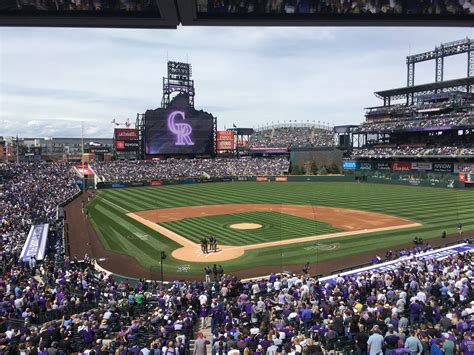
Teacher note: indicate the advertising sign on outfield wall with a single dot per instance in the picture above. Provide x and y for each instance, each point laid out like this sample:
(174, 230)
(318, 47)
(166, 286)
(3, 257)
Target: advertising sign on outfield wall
(281, 178)
(443, 167)
(261, 179)
(401, 166)
(463, 168)
(365, 166)
(156, 182)
(350, 165)
(383, 165)
(421, 166)
(466, 178)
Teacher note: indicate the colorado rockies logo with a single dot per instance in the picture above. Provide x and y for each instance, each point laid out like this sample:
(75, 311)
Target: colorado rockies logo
(322, 247)
(181, 130)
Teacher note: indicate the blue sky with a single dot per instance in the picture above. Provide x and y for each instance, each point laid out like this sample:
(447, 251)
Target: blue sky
(52, 79)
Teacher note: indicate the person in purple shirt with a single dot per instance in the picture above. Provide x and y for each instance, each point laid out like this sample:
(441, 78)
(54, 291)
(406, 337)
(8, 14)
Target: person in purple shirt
(467, 345)
(415, 312)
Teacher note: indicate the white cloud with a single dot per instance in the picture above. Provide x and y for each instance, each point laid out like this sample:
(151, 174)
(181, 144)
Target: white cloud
(52, 79)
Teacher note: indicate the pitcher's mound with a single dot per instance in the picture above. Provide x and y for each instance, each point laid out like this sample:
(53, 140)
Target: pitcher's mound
(246, 226)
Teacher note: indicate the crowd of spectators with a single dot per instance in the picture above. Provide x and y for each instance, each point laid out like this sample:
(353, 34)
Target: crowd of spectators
(417, 305)
(106, 6)
(64, 306)
(287, 137)
(402, 123)
(385, 151)
(174, 168)
(337, 7)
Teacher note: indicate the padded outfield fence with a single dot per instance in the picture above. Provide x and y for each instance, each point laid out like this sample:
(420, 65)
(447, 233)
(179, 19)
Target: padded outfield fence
(408, 179)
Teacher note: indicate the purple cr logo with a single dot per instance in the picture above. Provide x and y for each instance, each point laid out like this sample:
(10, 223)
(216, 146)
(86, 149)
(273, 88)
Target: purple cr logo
(181, 130)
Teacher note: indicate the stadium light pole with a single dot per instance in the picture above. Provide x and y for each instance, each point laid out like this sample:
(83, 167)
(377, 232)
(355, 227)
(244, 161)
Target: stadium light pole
(162, 257)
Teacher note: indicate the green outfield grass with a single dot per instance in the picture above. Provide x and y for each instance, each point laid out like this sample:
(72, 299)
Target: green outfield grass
(275, 226)
(435, 208)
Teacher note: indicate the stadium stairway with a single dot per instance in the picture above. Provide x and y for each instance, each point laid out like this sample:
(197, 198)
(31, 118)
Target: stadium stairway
(206, 331)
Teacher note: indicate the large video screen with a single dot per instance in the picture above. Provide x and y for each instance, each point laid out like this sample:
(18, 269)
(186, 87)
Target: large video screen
(179, 130)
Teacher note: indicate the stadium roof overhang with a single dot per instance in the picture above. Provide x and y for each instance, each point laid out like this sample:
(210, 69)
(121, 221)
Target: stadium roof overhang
(423, 89)
(158, 14)
(171, 13)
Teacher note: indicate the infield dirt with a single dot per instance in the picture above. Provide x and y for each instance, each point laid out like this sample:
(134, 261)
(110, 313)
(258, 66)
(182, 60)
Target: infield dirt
(351, 221)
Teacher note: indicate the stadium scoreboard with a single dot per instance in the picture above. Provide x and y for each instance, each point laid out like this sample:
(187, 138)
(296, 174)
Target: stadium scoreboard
(179, 129)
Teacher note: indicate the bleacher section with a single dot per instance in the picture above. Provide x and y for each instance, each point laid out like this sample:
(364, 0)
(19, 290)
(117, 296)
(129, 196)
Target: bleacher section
(292, 136)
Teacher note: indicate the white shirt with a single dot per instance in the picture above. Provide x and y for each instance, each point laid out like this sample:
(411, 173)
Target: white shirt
(203, 299)
(375, 342)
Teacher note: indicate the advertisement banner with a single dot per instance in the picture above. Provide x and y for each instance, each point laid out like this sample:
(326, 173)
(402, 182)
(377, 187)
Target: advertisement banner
(126, 134)
(225, 145)
(365, 166)
(100, 150)
(443, 167)
(464, 168)
(281, 178)
(156, 182)
(119, 184)
(35, 244)
(225, 136)
(421, 166)
(282, 150)
(242, 178)
(350, 165)
(127, 146)
(401, 166)
(466, 178)
(382, 166)
(261, 179)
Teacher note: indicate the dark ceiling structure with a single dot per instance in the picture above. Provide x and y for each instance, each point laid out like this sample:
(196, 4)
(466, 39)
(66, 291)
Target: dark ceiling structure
(171, 13)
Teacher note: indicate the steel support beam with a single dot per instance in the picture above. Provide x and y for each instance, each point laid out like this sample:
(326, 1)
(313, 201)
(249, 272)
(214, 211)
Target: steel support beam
(439, 67)
(470, 64)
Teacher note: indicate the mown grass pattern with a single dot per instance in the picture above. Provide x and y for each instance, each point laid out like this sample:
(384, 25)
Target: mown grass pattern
(275, 226)
(437, 209)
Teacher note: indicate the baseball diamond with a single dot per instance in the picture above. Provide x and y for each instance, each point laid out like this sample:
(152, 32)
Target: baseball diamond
(232, 220)
(293, 216)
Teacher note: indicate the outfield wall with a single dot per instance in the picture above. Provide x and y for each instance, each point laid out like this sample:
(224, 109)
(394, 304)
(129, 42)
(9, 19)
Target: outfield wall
(407, 179)
(283, 178)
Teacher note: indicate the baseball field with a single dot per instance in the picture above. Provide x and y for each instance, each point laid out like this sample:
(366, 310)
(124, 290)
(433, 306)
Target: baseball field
(260, 224)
